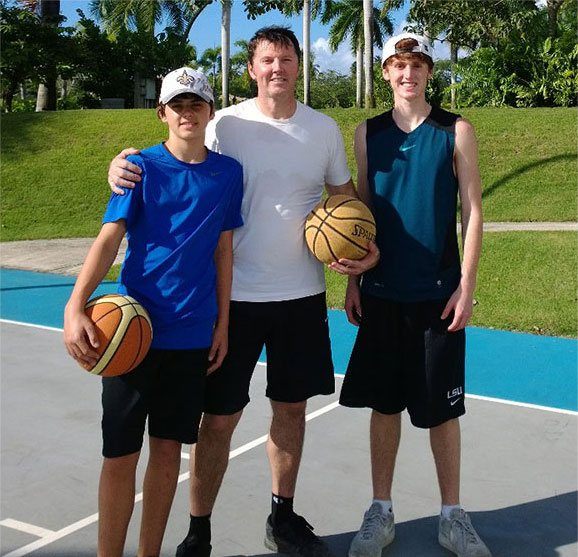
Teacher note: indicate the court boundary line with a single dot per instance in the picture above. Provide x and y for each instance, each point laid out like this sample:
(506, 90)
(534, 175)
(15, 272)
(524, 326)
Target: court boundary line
(26, 527)
(56, 535)
(510, 402)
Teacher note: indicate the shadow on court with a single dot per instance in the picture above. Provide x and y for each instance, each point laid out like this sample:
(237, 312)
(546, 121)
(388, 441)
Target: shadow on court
(535, 529)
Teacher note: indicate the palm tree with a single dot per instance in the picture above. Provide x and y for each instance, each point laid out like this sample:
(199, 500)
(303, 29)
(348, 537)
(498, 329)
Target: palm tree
(143, 15)
(225, 50)
(210, 61)
(348, 22)
(368, 52)
(49, 11)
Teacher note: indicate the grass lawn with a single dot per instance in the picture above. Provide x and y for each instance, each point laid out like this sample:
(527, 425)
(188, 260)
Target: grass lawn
(54, 165)
(527, 281)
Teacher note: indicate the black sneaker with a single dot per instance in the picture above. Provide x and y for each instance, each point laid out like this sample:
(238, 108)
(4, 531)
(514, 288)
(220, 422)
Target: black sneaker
(192, 547)
(294, 537)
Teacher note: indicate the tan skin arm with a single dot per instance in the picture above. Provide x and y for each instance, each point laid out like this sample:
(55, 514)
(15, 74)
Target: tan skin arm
(79, 333)
(224, 266)
(470, 192)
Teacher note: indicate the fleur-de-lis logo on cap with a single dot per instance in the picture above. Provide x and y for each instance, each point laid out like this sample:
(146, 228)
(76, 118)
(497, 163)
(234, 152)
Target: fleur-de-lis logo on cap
(185, 78)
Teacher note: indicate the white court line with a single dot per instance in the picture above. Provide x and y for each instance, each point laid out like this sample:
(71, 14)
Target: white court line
(26, 528)
(479, 397)
(524, 404)
(55, 536)
(10, 322)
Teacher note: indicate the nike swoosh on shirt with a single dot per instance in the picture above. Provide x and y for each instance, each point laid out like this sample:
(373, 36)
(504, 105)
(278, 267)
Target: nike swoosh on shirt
(406, 148)
(452, 402)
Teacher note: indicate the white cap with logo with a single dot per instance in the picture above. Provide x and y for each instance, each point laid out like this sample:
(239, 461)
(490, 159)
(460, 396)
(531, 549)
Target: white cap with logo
(423, 46)
(185, 80)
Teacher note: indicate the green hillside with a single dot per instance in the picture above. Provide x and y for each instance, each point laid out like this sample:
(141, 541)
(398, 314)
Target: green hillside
(54, 164)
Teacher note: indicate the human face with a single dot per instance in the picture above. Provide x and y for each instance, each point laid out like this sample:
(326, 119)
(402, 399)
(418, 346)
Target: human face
(187, 118)
(407, 77)
(275, 68)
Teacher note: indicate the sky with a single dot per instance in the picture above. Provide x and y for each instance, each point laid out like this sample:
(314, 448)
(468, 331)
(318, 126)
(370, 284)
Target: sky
(206, 32)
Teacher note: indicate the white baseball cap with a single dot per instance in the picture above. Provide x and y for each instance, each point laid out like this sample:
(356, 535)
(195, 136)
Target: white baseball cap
(185, 80)
(423, 46)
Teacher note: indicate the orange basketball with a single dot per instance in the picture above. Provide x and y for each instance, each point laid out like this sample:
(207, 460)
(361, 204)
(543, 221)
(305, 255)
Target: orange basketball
(124, 333)
(339, 227)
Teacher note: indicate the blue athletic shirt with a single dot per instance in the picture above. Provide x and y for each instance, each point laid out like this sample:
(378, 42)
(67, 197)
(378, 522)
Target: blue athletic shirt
(174, 218)
(414, 193)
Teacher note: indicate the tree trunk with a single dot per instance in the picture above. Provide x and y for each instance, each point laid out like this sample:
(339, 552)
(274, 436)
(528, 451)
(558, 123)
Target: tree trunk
(306, 51)
(8, 96)
(49, 11)
(359, 76)
(553, 7)
(225, 50)
(196, 13)
(368, 52)
(454, 61)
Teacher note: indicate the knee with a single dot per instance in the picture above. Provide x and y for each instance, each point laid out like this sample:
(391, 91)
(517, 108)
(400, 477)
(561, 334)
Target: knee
(219, 426)
(120, 466)
(289, 412)
(165, 450)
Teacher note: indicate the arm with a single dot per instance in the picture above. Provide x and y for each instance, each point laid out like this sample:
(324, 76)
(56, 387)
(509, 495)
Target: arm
(79, 333)
(351, 267)
(224, 265)
(470, 191)
(123, 173)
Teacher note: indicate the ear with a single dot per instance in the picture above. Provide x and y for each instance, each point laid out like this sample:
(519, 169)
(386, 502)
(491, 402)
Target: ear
(385, 72)
(250, 70)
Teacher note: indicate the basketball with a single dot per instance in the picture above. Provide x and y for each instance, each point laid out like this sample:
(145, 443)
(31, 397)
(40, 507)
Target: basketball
(124, 333)
(340, 227)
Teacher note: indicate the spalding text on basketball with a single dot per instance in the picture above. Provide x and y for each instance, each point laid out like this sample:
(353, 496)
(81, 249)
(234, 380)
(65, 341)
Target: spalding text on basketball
(363, 233)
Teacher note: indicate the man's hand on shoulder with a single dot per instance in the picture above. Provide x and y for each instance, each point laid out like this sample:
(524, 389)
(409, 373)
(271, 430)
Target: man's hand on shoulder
(123, 173)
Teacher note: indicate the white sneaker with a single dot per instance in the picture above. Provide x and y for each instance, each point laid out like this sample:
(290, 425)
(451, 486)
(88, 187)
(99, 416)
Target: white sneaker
(457, 534)
(376, 532)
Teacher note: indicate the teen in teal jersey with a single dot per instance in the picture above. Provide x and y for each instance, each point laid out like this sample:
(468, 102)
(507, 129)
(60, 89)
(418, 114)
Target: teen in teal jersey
(179, 227)
(412, 308)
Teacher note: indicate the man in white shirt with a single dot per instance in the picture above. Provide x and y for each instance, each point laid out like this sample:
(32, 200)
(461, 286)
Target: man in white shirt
(289, 153)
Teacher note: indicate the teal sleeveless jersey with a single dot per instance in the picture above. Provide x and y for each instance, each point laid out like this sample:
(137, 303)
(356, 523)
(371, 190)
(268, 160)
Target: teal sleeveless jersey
(414, 193)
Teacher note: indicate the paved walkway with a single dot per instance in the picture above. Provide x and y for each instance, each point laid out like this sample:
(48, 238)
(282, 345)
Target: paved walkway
(65, 256)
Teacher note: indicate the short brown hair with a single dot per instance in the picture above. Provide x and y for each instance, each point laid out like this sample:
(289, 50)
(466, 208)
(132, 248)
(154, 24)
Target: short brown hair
(276, 35)
(403, 51)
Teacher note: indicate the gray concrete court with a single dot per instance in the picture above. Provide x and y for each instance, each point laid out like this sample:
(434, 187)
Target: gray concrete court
(519, 470)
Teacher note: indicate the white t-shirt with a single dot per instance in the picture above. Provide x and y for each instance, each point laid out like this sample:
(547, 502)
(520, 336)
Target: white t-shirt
(286, 164)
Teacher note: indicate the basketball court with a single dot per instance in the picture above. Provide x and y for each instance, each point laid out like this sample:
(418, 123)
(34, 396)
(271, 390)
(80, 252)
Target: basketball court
(519, 448)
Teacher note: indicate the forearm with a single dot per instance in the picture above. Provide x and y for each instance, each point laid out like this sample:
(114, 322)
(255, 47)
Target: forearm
(97, 263)
(224, 268)
(472, 231)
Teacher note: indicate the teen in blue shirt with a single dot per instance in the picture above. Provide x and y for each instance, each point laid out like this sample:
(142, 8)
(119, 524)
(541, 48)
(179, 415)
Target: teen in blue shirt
(179, 267)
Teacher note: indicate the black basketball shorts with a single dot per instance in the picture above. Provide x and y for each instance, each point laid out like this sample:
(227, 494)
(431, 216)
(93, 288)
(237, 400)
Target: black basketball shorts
(404, 357)
(167, 388)
(296, 336)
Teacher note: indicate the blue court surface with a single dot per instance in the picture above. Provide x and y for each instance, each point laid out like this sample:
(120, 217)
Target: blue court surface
(519, 448)
(512, 366)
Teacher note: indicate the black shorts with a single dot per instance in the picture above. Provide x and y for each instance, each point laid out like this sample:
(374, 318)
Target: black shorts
(167, 387)
(404, 357)
(296, 336)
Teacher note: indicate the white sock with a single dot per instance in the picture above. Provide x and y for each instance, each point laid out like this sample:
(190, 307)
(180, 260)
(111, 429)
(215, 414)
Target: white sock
(447, 509)
(386, 506)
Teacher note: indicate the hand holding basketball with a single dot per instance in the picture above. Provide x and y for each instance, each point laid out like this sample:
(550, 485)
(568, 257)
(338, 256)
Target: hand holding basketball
(357, 266)
(340, 228)
(80, 338)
